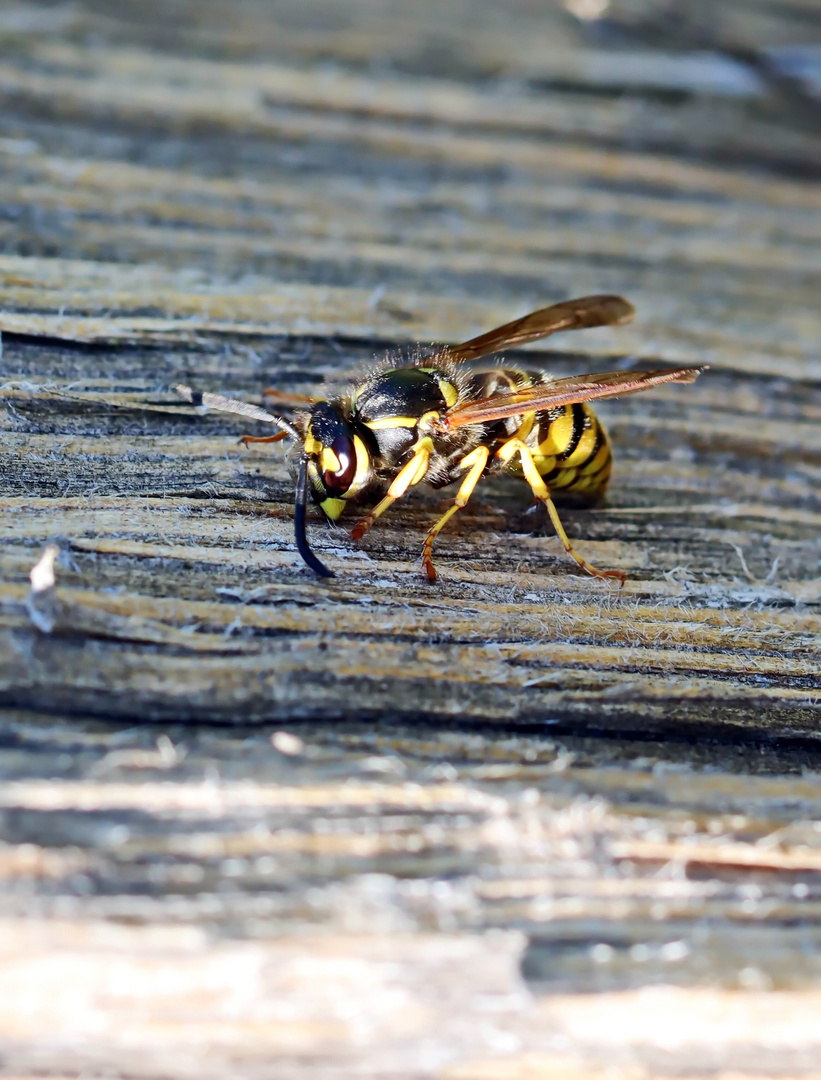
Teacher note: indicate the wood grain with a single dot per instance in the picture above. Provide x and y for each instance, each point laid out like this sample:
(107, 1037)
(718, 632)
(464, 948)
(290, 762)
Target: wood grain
(520, 824)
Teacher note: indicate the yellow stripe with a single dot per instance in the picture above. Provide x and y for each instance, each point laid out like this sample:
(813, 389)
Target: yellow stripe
(333, 508)
(516, 378)
(526, 426)
(559, 434)
(329, 461)
(583, 449)
(449, 392)
(599, 460)
(545, 464)
(393, 421)
(363, 468)
(588, 480)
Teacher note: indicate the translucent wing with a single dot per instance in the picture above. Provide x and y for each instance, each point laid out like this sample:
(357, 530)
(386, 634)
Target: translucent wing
(565, 392)
(280, 397)
(569, 315)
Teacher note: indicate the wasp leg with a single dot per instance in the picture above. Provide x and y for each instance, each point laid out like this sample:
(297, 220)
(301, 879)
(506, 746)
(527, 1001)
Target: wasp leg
(515, 446)
(476, 462)
(264, 438)
(409, 475)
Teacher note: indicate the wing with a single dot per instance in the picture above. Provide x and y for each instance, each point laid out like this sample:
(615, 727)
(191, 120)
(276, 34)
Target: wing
(287, 401)
(565, 392)
(569, 315)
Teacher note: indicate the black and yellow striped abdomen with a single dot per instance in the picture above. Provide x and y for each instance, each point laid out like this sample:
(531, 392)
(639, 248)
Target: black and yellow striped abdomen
(570, 445)
(571, 449)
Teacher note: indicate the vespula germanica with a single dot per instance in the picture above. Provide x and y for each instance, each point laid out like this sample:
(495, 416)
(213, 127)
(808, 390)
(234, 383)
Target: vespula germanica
(440, 421)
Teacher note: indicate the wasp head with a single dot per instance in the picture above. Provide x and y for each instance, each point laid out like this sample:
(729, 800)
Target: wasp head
(334, 465)
(337, 459)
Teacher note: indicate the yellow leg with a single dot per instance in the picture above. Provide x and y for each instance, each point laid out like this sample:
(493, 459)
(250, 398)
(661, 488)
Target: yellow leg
(264, 438)
(540, 490)
(476, 462)
(410, 474)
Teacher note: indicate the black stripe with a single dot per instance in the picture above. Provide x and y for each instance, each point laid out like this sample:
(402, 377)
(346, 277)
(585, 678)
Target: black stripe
(597, 445)
(545, 421)
(607, 462)
(300, 533)
(579, 424)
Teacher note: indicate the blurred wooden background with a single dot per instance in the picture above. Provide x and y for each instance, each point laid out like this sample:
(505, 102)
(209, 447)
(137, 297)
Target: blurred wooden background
(521, 824)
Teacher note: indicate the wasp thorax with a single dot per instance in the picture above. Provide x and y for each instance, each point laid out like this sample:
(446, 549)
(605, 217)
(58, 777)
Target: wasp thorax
(339, 465)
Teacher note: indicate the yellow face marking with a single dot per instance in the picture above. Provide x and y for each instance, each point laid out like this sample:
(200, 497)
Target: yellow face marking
(329, 461)
(312, 446)
(388, 422)
(363, 467)
(333, 508)
(449, 392)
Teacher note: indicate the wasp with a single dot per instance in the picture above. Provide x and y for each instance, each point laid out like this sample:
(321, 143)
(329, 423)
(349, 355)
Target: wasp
(440, 421)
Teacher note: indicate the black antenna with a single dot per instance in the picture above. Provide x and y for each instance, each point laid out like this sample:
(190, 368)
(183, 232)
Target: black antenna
(253, 412)
(300, 504)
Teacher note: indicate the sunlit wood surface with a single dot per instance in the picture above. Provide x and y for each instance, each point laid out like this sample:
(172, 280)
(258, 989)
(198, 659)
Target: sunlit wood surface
(517, 825)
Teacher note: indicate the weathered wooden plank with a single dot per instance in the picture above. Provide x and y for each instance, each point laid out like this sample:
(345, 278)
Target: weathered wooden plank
(454, 831)
(248, 96)
(249, 1022)
(453, 820)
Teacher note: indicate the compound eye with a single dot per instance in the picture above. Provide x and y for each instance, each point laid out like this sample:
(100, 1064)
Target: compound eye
(340, 479)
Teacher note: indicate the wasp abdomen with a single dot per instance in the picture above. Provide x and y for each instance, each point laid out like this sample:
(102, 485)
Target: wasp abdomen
(570, 445)
(571, 449)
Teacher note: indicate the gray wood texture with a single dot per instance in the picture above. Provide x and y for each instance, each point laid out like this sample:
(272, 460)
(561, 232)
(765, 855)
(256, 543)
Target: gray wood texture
(521, 823)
